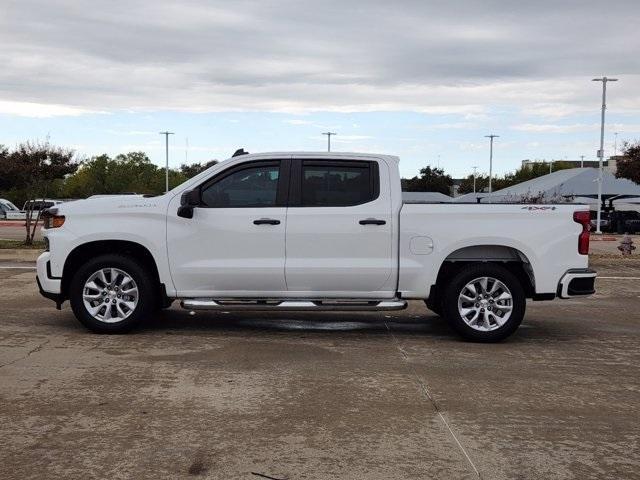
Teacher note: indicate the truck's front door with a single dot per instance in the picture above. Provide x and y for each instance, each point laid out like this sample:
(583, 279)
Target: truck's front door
(339, 229)
(234, 244)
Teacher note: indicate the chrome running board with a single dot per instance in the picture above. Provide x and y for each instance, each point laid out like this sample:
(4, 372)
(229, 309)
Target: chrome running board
(293, 305)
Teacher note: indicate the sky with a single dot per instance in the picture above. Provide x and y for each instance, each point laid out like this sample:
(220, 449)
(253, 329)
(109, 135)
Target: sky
(425, 80)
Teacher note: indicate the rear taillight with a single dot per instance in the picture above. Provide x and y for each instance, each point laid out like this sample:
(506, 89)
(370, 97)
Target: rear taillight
(584, 219)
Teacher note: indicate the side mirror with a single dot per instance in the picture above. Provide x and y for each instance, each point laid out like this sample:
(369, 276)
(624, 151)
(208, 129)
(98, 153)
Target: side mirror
(188, 200)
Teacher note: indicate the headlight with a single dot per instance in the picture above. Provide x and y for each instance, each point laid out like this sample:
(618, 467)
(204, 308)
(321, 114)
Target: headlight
(53, 221)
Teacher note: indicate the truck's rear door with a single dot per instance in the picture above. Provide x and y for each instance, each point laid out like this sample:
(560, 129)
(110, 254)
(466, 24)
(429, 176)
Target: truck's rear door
(339, 229)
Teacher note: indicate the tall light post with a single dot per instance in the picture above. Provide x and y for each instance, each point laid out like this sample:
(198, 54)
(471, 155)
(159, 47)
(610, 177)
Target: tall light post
(615, 144)
(328, 134)
(166, 171)
(581, 161)
(604, 81)
(475, 170)
(491, 137)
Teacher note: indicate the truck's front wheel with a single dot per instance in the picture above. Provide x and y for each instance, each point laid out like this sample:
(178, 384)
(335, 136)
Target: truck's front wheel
(111, 294)
(484, 303)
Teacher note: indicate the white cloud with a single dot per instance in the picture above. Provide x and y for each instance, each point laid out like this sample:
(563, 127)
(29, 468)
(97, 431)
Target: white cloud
(448, 58)
(41, 110)
(546, 128)
(574, 128)
(130, 132)
(350, 138)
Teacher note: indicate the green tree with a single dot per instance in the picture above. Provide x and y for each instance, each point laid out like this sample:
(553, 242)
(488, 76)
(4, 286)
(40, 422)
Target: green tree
(131, 172)
(430, 180)
(34, 170)
(629, 167)
(466, 185)
(194, 169)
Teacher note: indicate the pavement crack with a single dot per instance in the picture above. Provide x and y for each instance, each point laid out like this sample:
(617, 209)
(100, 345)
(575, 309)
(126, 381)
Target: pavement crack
(27, 355)
(431, 399)
(262, 475)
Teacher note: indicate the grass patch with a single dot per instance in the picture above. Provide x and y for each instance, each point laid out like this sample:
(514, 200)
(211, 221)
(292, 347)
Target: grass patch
(37, 244)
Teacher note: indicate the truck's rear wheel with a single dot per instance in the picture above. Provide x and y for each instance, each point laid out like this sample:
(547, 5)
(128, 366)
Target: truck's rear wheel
(484, 303)
(111, 294)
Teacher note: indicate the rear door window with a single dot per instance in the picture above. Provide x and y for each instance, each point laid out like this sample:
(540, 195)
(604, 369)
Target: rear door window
(338, 184)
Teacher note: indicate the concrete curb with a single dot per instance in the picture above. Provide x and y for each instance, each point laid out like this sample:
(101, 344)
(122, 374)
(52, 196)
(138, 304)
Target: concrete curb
(19, 254)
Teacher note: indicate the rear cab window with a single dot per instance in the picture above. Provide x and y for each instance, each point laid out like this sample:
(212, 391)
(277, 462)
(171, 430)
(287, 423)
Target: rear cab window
(333, 183)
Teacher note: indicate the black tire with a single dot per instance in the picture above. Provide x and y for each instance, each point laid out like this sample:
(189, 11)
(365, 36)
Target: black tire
(454, 288)
(147, 293)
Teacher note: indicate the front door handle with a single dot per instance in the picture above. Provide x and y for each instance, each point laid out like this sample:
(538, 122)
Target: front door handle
(266, 221)
(372, 221)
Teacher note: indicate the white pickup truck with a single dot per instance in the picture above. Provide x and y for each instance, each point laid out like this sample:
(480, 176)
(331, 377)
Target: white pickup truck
(310, 231)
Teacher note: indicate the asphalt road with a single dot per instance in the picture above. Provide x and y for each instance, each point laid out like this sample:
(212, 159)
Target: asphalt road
(322, 396)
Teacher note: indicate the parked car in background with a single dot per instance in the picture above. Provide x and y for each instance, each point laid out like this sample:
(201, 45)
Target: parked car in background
(312, 232)
(8, 211)
(627, 222)
(41, 204)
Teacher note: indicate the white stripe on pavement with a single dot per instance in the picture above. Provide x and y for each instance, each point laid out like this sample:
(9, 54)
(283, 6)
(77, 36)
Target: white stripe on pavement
(619, 278)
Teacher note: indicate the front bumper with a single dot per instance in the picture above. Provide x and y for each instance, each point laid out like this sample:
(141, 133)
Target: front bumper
(578, 282)
(50, 287)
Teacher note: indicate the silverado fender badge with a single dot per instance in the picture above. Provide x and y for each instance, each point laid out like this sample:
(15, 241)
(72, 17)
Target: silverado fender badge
(138, 205)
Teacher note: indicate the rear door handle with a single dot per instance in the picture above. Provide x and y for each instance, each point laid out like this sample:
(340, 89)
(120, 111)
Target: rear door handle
(266, 221)
(372, 221)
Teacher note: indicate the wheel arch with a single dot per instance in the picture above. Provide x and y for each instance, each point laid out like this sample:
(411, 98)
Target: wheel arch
(85, 251)
(509, 257)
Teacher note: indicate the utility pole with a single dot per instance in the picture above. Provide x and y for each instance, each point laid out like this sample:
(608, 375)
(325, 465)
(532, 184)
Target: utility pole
(491, 137)
(581, 161)
(166, 171)
(328, 134)
(604, 81)
(615, 144)
(550, 166)
(475, 169)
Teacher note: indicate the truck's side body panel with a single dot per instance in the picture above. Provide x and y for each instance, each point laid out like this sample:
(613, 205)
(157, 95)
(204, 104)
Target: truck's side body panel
(545, 235)
(132, 219)
(330, 254)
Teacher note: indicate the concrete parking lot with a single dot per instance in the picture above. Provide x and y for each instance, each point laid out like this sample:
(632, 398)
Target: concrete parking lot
(322, 396)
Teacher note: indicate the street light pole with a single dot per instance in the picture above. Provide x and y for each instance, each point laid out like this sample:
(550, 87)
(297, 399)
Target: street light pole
(166, 171)
(604, 81)
(491, 137)
(581, 161)
(328, 134)
(475, 169)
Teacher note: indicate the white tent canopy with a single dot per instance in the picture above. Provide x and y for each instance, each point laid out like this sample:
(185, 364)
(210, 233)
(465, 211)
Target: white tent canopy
(470, 197)
(425, 197)
(573, 182)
